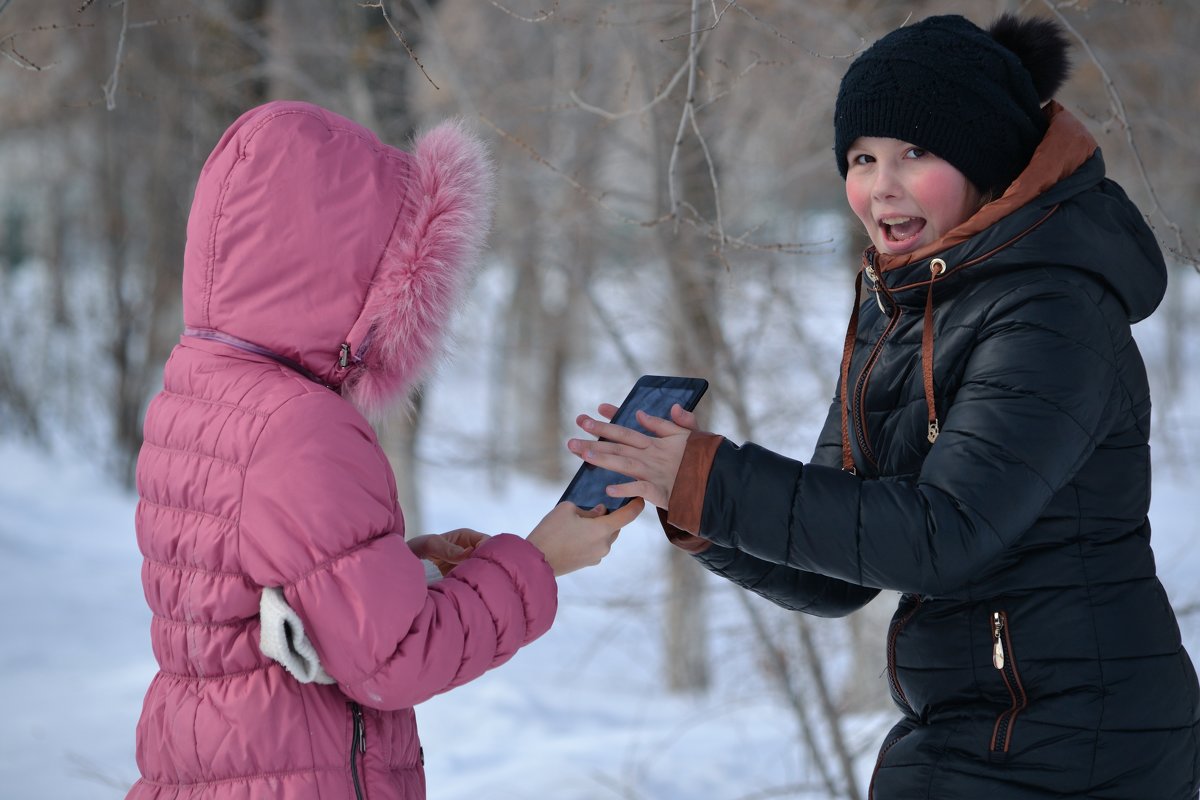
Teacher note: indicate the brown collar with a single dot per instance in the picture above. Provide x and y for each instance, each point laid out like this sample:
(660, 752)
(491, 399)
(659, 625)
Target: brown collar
(1064, 148)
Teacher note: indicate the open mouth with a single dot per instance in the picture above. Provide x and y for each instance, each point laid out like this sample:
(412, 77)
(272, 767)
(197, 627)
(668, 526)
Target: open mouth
(901, 229)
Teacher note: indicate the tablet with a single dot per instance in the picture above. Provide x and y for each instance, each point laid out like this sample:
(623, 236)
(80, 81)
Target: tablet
(654, 394)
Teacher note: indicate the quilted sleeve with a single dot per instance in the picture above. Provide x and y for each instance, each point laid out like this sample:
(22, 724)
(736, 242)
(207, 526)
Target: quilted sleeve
(319, 521)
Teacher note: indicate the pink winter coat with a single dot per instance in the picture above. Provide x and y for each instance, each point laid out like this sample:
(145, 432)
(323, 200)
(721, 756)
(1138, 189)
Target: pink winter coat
(321, 266)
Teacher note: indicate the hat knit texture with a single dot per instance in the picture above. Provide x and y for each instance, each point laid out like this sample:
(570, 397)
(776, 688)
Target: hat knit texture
(964, 94)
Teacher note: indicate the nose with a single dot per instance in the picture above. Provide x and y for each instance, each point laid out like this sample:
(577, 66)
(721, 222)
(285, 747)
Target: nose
(885, 183)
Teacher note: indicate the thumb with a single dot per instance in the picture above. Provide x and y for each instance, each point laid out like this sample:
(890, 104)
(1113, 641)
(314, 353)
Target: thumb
(683, 418)
(626, 514)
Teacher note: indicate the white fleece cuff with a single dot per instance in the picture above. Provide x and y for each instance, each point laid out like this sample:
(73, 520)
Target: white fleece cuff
(432, 573)
(283, 639)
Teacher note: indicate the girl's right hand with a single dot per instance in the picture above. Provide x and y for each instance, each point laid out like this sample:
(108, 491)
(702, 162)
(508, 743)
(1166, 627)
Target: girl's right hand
(571, 538)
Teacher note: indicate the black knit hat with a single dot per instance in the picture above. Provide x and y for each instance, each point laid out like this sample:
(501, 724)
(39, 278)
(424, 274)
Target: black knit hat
(969, 96)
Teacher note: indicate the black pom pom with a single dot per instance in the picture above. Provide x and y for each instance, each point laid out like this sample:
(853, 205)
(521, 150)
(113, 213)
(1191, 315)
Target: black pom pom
(1041, 44)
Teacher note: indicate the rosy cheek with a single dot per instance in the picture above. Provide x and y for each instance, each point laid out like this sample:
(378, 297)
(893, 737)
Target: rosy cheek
(859, 199)
(942, 194)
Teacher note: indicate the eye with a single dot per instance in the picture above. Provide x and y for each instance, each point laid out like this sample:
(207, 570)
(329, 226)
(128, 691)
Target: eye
(914, 152)
(860, 158)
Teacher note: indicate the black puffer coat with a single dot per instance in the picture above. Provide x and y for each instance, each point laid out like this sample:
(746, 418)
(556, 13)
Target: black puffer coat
(1034, 653)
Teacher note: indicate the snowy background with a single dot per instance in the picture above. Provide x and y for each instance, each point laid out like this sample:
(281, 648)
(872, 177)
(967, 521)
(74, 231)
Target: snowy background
(582, 713)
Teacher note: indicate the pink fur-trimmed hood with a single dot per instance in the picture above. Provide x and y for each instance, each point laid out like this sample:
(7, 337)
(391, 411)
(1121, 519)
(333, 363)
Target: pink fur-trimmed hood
(343, 257)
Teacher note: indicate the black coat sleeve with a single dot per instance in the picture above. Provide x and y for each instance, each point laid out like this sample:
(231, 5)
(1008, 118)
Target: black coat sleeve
(781, 583)
(1034, 398)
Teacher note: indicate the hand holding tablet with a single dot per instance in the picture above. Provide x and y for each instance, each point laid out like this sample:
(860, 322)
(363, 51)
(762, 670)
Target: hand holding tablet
(652, 394)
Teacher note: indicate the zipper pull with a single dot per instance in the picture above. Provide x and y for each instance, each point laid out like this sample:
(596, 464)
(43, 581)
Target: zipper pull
(344, 358)
(997, 641)
(876, 289)
(360, 728)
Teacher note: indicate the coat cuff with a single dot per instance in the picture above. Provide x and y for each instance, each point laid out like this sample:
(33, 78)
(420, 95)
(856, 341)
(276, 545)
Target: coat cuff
(282, 638)
(681, 522)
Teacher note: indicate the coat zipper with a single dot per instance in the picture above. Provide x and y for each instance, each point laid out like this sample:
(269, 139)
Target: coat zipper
(883, 751)
(860, 389)
(893, 677)
(358, 747)
(1004, 662)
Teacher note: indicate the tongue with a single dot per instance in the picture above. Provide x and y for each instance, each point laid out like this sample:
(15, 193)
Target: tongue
(906, 230)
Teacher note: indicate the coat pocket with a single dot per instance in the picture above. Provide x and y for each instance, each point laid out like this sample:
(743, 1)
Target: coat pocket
(1004, 661)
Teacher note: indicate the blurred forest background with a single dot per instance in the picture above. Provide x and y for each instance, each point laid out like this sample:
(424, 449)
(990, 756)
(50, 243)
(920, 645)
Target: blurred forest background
(683, 142)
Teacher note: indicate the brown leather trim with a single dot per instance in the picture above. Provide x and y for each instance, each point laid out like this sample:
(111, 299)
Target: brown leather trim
(686, 503)
(682, 539)
(1064, 148)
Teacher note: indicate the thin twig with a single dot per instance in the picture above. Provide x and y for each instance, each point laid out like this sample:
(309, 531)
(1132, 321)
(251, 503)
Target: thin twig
(110, 85)
(716, 188)
(8, 46)
(541, 17)
(382, 6)
(150, 23)
(716, 21)
(615, 115)
(12, 54)
(683, 117)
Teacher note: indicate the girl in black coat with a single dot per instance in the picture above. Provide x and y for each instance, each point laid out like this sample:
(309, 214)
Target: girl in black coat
(987, 451)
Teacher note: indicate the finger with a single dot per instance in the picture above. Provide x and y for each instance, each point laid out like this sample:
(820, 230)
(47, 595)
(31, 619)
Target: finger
(682, 417)
(649, 491)
(658, 426)
(614, 433)
(607, 410)
(449, 551)
(626, 513)
(465, 537)
(621, 459)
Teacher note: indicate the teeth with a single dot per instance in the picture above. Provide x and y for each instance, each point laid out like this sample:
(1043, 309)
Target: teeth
(896, 220)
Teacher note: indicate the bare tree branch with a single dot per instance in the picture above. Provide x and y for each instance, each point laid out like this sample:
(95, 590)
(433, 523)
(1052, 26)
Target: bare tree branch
(693, 42)
(616, 115)
(110, 85)
(716, 21)
(382, 6)
(542, 15)
(8, 46)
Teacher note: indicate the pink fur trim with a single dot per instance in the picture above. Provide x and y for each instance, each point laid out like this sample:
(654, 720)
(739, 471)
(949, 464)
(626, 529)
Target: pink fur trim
(426, 267)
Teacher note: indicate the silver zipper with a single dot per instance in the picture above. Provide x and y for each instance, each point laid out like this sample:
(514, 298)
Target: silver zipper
(997, 640)
(874, 279)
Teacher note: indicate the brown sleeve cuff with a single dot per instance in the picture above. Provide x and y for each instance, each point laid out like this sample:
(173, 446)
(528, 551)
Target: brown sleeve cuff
(682, 519)
(682, 539)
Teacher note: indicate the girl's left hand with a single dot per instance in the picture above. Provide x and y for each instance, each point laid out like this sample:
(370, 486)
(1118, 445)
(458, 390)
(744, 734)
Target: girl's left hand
(652, 461)
(446, 550)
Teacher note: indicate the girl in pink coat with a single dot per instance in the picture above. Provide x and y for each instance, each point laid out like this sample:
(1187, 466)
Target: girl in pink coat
(294, 626)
